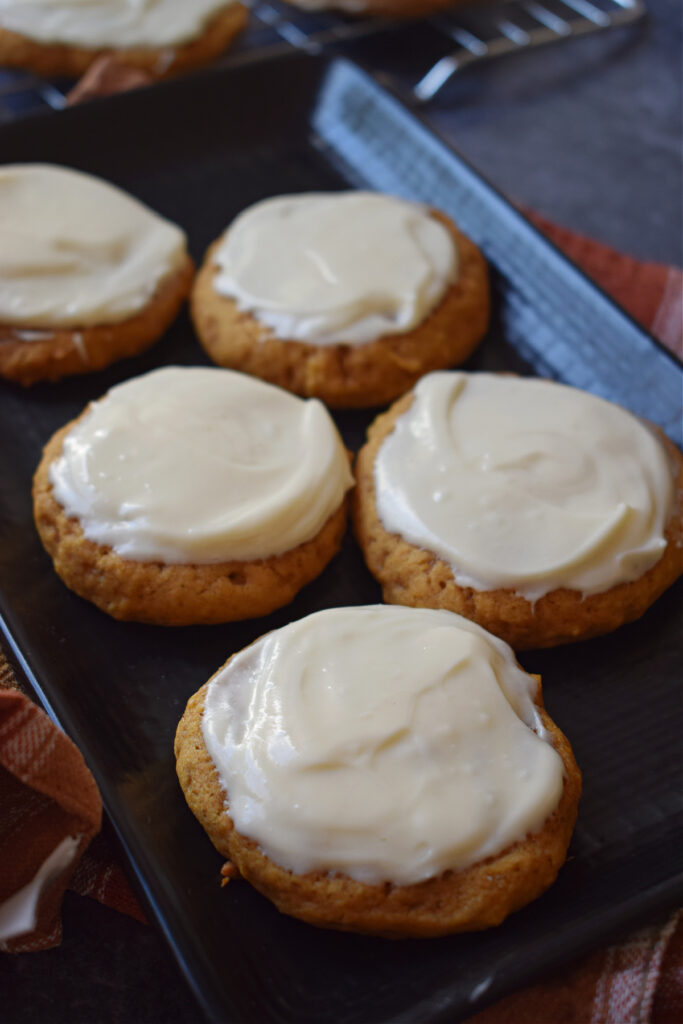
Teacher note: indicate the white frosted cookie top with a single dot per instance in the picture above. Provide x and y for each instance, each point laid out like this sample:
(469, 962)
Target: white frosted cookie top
(76, 251)
(332, 268)
(385, 743)
(113, 24)
(194, 465)
(525, 484)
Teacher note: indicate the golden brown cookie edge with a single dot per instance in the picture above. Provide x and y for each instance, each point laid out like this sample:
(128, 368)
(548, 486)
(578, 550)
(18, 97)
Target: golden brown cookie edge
(348, 376)
(476, 898)
(419, 578)
(72, 351)
(173, 594)
(56, 59)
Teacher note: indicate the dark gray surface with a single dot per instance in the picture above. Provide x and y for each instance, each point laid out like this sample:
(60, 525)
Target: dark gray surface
(109, 968)
(588, 134)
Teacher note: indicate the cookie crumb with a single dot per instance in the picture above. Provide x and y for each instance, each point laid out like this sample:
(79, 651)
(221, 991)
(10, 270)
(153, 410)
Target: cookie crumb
(228, 871)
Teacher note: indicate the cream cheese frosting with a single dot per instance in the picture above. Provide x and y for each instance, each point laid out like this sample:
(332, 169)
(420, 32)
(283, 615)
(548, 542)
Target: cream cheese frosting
(336, 268)
(76, 251)
(525, 484)
(194, 465)
(113, 24)
(381, 742)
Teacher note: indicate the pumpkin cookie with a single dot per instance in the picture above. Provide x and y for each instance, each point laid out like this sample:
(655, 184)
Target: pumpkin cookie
(192, 495)
(162, 37)
(541, 512)
(349, 297)
(403, 778)
(88, 275)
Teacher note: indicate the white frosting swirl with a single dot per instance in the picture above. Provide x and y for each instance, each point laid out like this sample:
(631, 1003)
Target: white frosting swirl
(194, 465)
(76, 251)
(525, 484)
(385, 743)
(112, 24)
(336, 268)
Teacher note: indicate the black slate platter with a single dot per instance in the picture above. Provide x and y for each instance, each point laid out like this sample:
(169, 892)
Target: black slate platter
(199, 151)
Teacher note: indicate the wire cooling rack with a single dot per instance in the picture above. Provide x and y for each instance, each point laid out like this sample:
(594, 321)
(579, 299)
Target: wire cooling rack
(459, 38)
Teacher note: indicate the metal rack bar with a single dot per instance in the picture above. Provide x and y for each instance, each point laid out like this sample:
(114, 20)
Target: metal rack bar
(482, 32)
(548, 27)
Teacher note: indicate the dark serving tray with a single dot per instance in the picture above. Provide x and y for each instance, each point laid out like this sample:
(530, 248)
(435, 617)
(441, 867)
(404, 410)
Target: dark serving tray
(198, 151)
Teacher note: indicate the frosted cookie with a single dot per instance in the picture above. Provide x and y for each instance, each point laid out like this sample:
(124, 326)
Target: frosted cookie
(193, 495)
(349, 297)
(539, 511)
(383, 770)
(164, 37)
(88, 274)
